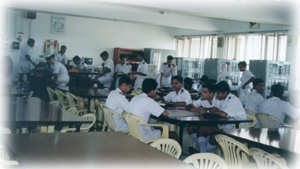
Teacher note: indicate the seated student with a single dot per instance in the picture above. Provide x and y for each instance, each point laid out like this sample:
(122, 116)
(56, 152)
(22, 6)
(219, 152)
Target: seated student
(77, 63)
(180, 96)
(207, 103)
(118, 102)
(143, 106)
(231, 105)
(188, 85)
(277, 107)
(255, 98)
(60, 74)
(202, 81)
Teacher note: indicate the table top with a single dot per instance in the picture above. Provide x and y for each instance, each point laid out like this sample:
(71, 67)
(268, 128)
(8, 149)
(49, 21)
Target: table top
(85, 149)
(287, 139)
(184, 117)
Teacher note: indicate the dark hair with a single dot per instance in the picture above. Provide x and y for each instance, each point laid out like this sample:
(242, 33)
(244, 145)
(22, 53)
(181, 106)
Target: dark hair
(149, 85)
(170, 57)
(105, 53)
(243, 64)
(76, 58)
(30, 40)
(141, 54)
(277, 90)
(63, 46)
(125, 79)
(210, 87)
(204, 78)
(178, 78)
(50, 57)
(189, 83)
(257, 81)
(222, 87)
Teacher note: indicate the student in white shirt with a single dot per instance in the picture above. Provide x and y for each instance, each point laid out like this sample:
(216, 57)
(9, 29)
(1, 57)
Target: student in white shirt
(230, 105)
(246, 80)
(25, 63)
(167, 71)
(207, 103)
(106, 78)
(60, 56)
(255, 98)
(277, 107)
(122, 68)
(118, 102)
(203, 80)
(143, 106)
(179, 97)
(77, 63)
(60, 73)
(141, 73)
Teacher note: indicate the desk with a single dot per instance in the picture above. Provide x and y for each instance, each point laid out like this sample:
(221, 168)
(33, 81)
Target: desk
(184, 118)
(86, 150)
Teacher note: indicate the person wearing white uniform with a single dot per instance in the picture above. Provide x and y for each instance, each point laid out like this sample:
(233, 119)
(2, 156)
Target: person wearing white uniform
(106, 78)
(25, 63)
(246, 79)
(141, 73)
(60, 72)
(206, 104)
(117, 101)
(255, 98)
(122, 68)
(277, 107)
(167, 71)
(180, 96)
(143, 106)
(60, 56)
(77, 63)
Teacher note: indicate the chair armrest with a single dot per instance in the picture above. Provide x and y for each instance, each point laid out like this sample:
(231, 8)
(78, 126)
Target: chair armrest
(68, 130)
(165, 132)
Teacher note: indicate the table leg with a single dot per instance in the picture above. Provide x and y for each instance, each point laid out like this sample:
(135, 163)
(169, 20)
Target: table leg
(181, 127)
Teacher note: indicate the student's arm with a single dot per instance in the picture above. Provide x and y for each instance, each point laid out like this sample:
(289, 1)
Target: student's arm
(160, 79)
(29, 59)
(249, 81)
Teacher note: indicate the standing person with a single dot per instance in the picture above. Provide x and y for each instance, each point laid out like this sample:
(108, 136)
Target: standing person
(143, 106)
(246, 80)
(60, 56)
(277, 107)
(106, 78)
(142, 71)
(118, 102)
(25, 63)
(122, 68)
(202, 81)
(255, 98)
(59, 72)
(180, 96)
(167, 71)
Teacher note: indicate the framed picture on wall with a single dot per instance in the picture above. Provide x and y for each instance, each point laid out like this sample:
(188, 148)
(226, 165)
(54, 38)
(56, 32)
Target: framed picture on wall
(57, 24)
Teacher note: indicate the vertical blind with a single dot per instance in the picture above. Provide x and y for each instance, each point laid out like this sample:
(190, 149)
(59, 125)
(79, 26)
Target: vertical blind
(269, 46)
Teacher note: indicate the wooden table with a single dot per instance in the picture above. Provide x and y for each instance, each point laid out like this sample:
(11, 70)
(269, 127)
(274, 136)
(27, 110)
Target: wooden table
(284, 141)
(86, 150)
(183, 118)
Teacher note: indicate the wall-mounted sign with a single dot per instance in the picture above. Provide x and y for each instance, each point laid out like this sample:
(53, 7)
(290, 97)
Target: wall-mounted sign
(57, 24)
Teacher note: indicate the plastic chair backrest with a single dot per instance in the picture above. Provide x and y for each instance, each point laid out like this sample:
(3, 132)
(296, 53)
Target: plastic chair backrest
(109, 116)
(62, 98)
(249, 112)
(168, 146)
(88, 117)
(268, 121)
(206, 161)
(51, 94)
(234, 152)
(266, 160)
(133, 125)
(278, 158)
(249, 125)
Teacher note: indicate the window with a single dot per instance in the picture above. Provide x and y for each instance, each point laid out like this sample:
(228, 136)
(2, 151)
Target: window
(197, 47)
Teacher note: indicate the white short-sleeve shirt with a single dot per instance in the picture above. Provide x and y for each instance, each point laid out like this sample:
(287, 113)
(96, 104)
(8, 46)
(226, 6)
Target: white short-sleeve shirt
(278, 108)
(168, 72)
(233, 107)
(182, 96)
(143, 106)
(25, 65)
(245, 77)
(205, 103)
(62, 75)
(253, 101)
(143, 68)
(117, 101)
(60, 58)
(123, 68)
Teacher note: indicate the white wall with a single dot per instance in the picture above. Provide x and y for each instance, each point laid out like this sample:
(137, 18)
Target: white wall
(87, 36)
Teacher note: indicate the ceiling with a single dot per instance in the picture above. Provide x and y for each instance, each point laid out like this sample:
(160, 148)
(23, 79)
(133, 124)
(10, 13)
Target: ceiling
(187, 14)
